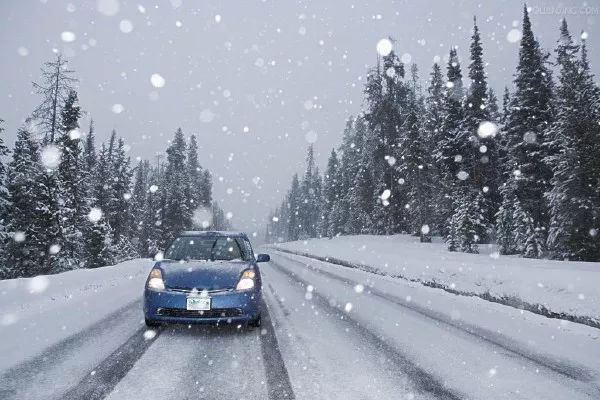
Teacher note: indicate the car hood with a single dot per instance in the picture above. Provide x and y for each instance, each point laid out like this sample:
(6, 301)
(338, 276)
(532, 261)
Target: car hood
(209, 275)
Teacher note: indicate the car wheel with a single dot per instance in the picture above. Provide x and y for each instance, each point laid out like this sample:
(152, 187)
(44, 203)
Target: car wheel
(151, 324)
(255, 323)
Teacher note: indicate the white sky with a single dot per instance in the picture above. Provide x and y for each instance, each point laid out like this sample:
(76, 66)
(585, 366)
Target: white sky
(259, 66)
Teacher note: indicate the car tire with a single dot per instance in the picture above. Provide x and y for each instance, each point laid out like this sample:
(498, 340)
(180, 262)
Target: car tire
(151, 324)
(255, 323)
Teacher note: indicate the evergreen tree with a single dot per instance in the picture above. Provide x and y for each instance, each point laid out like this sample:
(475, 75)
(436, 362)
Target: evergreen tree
(4, 201)
(526, 140)
(89, 162)
(387, 98)
(575, 194)
(416, 168)
(294, 199)
(308, 211)
(57, 83)
(355, 195)
(433, 127)
(34, 216)
(72, 196)
(206, 191)
(177, 211)
(330, 192)
(479, 148)
(451, 147)
(197, 195)
(139, 204)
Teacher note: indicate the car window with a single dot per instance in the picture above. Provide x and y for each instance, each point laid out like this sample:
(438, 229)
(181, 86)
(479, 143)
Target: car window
(207, 248)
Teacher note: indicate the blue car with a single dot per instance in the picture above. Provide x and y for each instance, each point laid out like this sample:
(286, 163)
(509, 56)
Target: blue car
(205, 277)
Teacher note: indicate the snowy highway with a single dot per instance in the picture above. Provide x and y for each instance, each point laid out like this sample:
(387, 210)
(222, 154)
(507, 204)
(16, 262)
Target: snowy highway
(329, 333)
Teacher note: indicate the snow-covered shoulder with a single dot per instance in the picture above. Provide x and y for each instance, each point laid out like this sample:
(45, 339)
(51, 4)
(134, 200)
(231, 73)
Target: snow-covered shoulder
(561, 287)
(38, 312)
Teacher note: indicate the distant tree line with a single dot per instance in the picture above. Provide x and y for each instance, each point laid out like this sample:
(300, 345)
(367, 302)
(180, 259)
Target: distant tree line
(451, 162)
(65, 204)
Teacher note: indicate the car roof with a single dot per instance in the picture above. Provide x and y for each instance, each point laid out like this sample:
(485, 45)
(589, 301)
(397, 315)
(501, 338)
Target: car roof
(214, 233)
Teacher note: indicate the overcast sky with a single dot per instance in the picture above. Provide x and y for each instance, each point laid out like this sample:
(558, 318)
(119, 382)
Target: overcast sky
(253, 79)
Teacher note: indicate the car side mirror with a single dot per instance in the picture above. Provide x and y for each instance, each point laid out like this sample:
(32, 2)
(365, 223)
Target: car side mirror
(263, 258)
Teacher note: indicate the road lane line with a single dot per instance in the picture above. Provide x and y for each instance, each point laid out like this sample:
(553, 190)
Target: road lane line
(278, 381)
(101, 380)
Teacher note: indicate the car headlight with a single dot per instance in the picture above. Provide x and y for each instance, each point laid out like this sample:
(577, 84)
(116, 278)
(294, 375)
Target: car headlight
(155, 280)
(246, 281)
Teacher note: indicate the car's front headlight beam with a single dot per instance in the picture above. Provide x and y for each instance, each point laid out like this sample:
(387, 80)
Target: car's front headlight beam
(155, 280)
(246, 282)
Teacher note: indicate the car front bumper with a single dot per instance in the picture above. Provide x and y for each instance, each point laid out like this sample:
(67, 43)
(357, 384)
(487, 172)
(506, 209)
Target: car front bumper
(226, 307)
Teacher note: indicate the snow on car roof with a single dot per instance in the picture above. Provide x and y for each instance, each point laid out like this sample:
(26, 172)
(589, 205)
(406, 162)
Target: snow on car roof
(213, 233)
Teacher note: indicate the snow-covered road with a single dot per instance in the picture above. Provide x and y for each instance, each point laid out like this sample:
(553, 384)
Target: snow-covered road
(330, 333)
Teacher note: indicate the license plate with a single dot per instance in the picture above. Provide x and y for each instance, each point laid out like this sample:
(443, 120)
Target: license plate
(198, 303)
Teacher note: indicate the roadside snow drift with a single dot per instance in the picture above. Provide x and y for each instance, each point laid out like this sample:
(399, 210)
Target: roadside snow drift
(560, 289)
(38, 312)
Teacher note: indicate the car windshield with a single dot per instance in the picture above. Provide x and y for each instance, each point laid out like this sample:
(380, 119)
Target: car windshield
(209, 248)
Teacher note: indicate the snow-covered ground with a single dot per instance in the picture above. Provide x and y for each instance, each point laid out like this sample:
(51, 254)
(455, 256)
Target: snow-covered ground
(36, 313)
(569, 288)
(329, 332)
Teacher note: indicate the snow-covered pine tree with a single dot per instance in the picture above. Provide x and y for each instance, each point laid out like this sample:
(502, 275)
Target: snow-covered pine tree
(55, 86)
(433, 126)
(308, 211)
(120, 204)
(450, 149)
(330, 192)
(294, 200)
(151, 226)
(350, 218)
(387, 97)
(340, 213)
(197, 195)
(90, 161)
(71, 182)
(199, 186)
(4, 202)
(416, 166)
(206, 188)
(575, 194)
(468, 219)
(138, 206)
(177, 211)
(479, 147)
(220, 222)
(524, 134)
(511, 222)
(34, 217)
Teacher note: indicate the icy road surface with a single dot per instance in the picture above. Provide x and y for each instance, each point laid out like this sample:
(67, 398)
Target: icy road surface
(328, 332)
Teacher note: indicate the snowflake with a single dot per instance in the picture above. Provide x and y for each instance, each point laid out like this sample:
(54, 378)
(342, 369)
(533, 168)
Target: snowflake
(384, 47)
(157, 80)
(126, 26)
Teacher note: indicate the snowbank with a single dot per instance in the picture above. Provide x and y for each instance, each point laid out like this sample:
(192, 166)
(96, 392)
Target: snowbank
(38, 312)
(559, 289)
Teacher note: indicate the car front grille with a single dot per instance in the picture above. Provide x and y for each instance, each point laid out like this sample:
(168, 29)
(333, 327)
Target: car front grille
(214, 313)
(210, 291)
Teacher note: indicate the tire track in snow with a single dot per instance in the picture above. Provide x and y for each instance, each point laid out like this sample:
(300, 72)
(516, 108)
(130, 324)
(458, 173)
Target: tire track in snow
(278, 381)
(422, 380)
(101, 380)
(508, 301)
(13, 379)
(561, 367)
